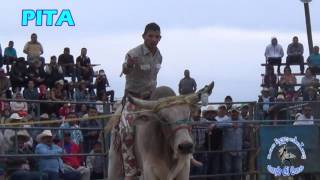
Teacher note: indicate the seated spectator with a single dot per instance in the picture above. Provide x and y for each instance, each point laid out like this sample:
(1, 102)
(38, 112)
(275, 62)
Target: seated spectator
(5, 83)
(90, 136)
(18, 74)
(270, 80)
(70, 91)
(295, 54)
(95, 163)
(274, 53)
(73, 163)
(288, 81)
(21, 167)
(81, 93)
(33, 49)
(187, 85)
(314, 60)
(244, 112)
(311, 94)
(83, 110)
(101, 84)
(51, 165)
(306, 118)
(36, 73)
(264, 102)
(67, 62)
(31, 93)
(307, 81)
(76, 135)
(277, 111)
(53, 72)
(57, 94)
(5, 111)
(10, 55)
(64, 110)
(19, 106)
(104, 108)
(84, 69)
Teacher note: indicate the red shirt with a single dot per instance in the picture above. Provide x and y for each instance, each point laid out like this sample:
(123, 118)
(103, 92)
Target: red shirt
(73, 161)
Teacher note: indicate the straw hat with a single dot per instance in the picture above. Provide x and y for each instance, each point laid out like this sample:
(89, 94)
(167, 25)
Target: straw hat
(45, 133)
(211, 108)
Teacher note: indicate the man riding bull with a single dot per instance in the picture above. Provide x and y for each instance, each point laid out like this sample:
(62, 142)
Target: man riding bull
(141, 67)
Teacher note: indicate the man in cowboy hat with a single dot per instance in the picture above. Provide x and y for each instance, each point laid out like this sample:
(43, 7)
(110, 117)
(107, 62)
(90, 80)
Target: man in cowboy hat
(52, 166)
(21, 167)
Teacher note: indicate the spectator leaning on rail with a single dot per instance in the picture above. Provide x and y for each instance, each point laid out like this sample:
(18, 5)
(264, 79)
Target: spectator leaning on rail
(232, 140)
(10, 55)
(274, 53)
(187, 85)
(306, 118)
(314, 60)
(33, 49)
(295, 54)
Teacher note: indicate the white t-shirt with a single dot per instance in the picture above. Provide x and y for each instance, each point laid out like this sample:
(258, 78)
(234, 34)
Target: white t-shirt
(222, 119)
(302, 120)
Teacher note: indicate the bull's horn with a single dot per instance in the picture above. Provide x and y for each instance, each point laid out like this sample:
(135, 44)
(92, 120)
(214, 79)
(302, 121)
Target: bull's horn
(142, 103)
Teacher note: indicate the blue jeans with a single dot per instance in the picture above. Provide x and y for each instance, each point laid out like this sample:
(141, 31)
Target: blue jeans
(232, 164)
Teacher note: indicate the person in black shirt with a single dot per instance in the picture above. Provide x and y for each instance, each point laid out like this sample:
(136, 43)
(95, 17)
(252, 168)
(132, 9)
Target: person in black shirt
(18, 73)
(101, 84)
(53, 72)
(84, 69)
(67, 62)
(36, 73)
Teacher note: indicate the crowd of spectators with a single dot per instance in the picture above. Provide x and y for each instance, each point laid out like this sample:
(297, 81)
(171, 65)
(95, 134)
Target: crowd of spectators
(62, 81)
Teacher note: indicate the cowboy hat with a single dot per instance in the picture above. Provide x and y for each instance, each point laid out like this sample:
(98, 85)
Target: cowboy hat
(45, 133)
(211, 108)
(61, 82)
(22, 134)
(15, 117)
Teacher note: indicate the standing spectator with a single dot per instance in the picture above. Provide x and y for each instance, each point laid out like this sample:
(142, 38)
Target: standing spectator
(67, 62)
(288, 81)
(10, 55)
(101, 84)
(5, 83)
(31, 93)
(33, 49)
(36, 73)
(53, 72)
(232, 140)
(104, 108)
(52, 165)
(274, 53)
(90, 136)
(314, 60)
(187, 85)
(19, 74)
(306, 118)
(84, 69)
(95, 163)
(73, 163)
(199, 137)
(229, 103)
(295, 54)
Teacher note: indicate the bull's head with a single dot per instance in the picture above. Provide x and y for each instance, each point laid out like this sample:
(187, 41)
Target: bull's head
(175, 115)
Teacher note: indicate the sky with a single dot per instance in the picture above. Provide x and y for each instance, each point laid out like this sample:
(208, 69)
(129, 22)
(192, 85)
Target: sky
(221, 41)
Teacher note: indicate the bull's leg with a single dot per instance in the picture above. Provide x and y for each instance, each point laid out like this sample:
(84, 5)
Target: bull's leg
(115, 166)
(185, 172)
